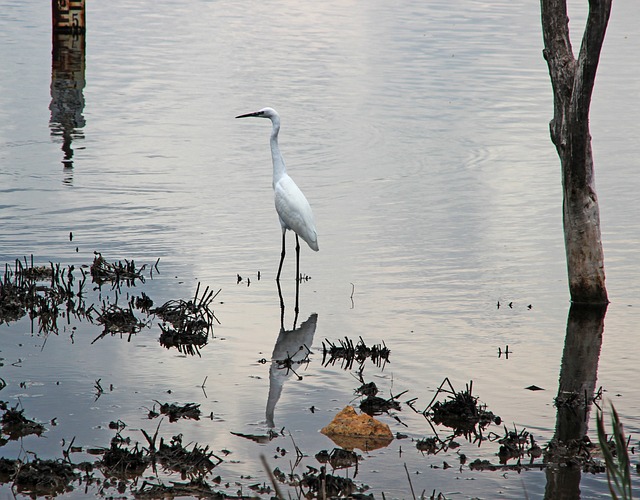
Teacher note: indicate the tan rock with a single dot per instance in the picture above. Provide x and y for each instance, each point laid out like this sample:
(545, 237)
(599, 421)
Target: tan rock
(350, 430)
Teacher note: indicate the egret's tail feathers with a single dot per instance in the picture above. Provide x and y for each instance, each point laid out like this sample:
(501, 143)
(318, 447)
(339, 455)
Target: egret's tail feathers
(312, 241)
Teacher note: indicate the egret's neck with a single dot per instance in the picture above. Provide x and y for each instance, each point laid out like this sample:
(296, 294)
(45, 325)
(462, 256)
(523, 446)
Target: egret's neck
(278, 162)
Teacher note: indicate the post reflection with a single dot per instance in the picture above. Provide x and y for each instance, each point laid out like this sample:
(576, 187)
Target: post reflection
(67, 98)
(576, 391)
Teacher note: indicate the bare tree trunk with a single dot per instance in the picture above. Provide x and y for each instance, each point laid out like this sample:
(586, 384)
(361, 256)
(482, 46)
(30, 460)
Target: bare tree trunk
(572, 81)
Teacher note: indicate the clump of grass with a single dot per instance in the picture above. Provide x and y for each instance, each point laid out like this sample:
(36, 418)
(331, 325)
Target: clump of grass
(15, 425)
(616, 456)
(192, 464)
(460, 410)
(115, 319)
(187, 324)
(348, 352)
(22, 292)
(44, 477)
(175, 411)
(121, 462)
(115, 273)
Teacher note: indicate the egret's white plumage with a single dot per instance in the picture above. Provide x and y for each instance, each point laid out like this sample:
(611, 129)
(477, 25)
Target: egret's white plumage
(294, 210)
(292, 206)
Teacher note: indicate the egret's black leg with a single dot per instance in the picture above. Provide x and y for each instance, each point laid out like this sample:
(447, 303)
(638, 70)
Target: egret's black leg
(284, 231)
(297, 278)
(297, 259)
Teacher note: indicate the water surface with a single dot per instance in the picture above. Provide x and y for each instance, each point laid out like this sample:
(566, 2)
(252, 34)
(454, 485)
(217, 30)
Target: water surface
(419, 133)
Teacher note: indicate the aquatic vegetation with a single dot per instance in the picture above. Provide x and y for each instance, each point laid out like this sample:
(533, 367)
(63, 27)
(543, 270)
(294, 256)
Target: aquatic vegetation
(348, 353)
(187, 325)
(616, 456)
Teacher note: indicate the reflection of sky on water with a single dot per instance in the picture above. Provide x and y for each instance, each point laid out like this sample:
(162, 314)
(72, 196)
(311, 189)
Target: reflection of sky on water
(419, 134)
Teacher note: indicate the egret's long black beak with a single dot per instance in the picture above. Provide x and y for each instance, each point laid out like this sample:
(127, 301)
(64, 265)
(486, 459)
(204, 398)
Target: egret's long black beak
(256, 113)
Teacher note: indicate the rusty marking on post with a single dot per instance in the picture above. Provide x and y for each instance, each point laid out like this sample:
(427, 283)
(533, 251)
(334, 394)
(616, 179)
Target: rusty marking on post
(68, 16)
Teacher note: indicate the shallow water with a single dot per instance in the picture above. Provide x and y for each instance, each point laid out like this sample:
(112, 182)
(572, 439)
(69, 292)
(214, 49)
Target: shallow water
(420, 136)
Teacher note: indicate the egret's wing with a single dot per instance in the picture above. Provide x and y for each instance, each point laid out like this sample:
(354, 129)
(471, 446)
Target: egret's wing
(294, 210)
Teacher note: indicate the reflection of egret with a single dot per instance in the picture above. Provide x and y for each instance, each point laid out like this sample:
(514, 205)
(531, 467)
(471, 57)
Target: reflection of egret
(293, 208)
(292, 347)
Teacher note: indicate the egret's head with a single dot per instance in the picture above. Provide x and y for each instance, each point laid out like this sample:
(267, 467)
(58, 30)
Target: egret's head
(263, 113)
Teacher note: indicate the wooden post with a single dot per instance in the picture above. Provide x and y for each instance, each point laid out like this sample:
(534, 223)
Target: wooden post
(68, 16)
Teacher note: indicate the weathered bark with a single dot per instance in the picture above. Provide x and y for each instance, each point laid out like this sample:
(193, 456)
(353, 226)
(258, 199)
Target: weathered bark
(572, 81)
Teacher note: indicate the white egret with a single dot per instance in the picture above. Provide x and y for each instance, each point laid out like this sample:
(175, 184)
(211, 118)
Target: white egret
(292, 206)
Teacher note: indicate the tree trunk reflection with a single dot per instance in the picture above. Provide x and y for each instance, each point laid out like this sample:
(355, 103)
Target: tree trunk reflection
(578, 376)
